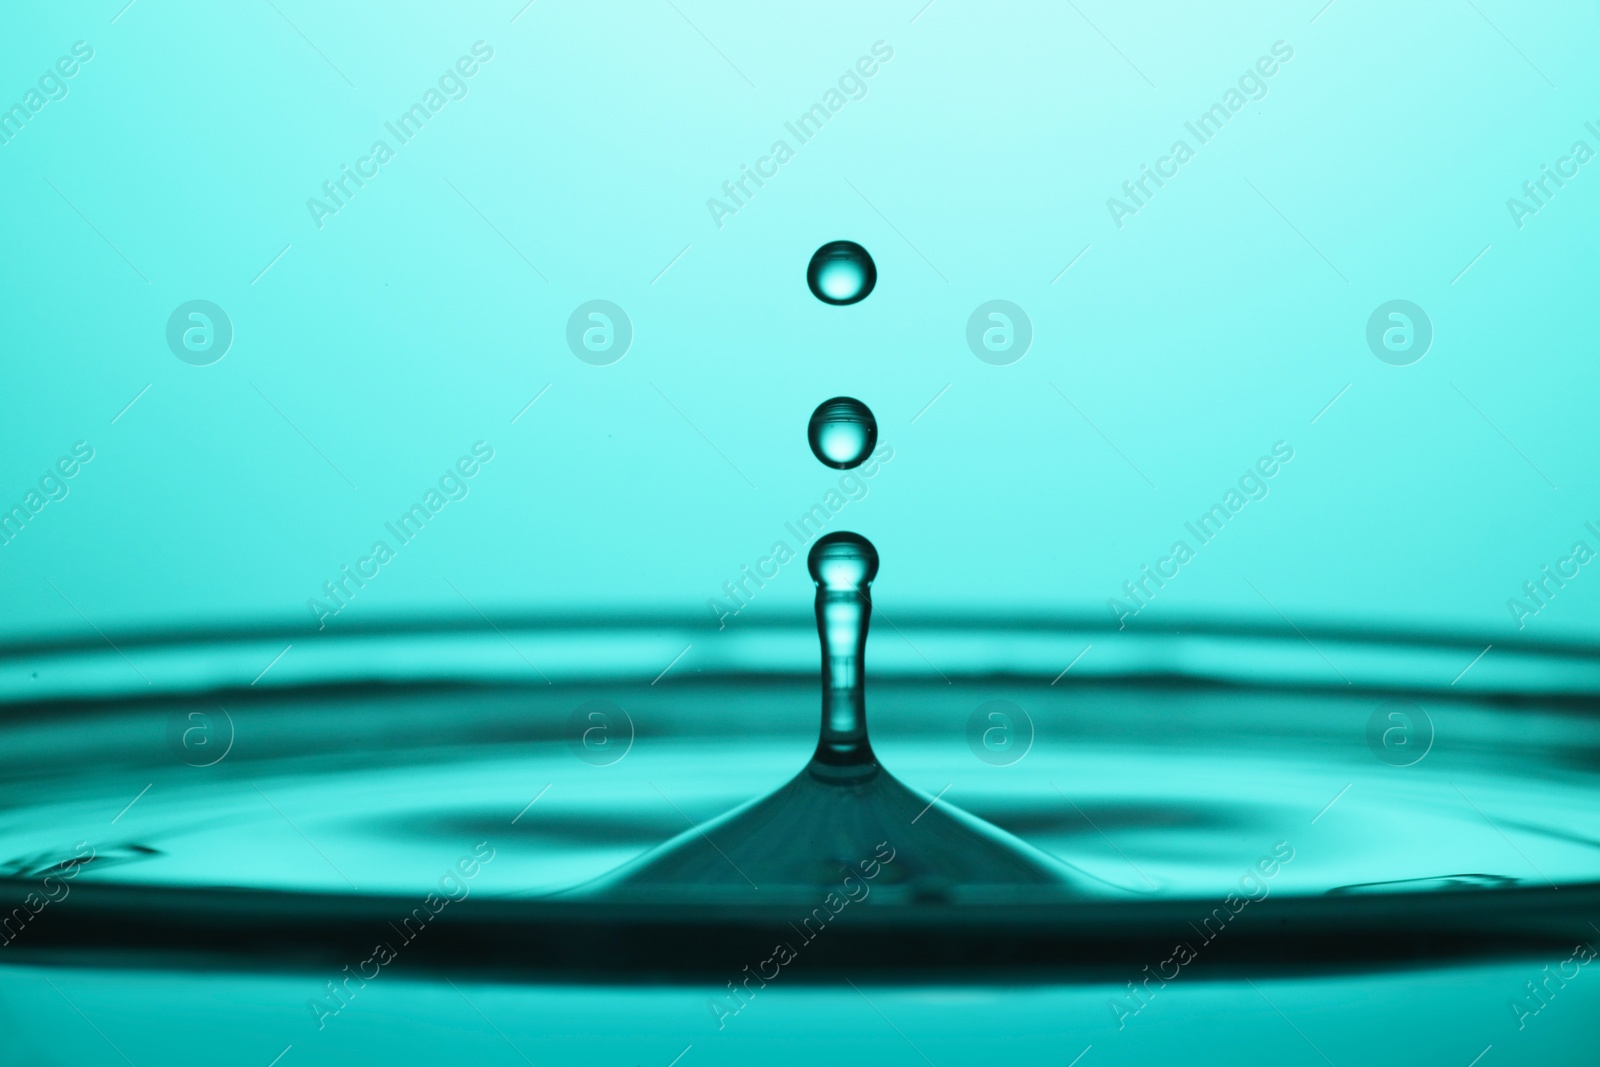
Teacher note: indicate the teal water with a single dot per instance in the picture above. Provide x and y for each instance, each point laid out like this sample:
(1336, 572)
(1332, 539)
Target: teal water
(1188, 787)
(1177, 797)
(1423, 1017)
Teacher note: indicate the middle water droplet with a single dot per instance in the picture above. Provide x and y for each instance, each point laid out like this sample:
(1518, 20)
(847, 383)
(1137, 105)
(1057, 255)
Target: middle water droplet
(841, 272)
(842, 432)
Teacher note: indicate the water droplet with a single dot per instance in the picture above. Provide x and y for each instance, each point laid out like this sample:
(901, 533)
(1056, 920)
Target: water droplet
(843, 565)
(792, 843)
(842, 432)
(841, 272)
(842, 562)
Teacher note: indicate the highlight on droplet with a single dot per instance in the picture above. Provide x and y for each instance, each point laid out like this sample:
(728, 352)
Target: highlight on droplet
(842, 432)
(841, 272)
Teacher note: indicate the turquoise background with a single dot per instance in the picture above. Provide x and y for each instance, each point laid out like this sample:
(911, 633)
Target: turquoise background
(422, 318)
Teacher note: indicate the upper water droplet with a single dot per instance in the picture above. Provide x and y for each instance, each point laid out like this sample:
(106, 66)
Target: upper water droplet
(842, 432)
(841, 272)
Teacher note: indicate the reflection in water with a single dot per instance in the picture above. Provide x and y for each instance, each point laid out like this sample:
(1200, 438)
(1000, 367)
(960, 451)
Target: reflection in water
(1452, 883)
(1171, 784)
(335, 808)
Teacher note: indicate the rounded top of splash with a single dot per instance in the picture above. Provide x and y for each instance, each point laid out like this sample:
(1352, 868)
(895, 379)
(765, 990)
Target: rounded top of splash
(843, 561)
(842, 432)
(841, 272)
